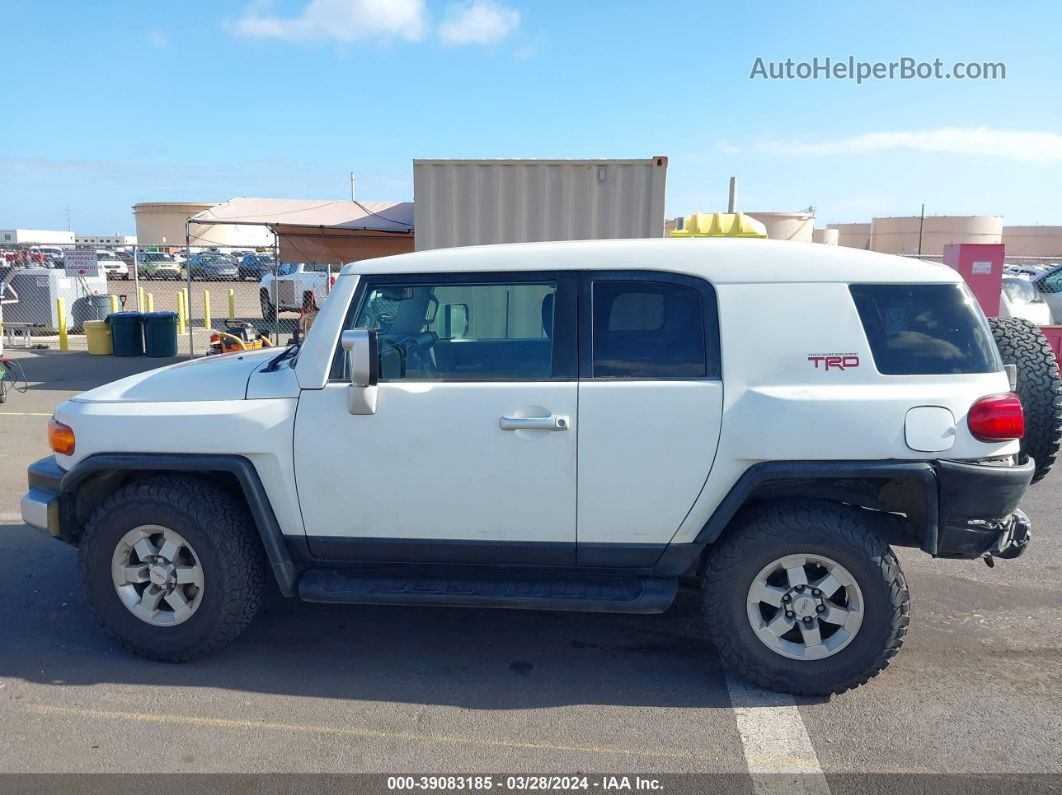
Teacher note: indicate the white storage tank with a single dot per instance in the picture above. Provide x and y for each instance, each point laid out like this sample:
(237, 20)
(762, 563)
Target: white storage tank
(1033, 241)
(852, 235)
(162, 223)
(900, 235)
(828, 237)
(474, 202)
(787, 226)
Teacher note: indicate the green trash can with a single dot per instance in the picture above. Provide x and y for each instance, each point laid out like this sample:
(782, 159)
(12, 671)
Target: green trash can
(160, 334)
(127, 333)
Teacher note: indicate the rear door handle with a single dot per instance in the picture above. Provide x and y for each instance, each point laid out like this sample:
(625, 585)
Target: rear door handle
(554, 422)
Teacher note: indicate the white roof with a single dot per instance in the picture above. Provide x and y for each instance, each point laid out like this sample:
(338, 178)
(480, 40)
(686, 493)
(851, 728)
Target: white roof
(721, 260)
(329, 213)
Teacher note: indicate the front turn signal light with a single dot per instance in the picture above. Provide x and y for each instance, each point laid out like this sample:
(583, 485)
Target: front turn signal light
(60, 437)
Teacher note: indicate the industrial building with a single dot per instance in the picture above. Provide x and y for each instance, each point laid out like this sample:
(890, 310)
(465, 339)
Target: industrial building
(105, 241)
(36, 237)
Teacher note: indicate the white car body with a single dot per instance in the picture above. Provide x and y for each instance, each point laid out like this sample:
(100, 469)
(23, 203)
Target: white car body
(578, 410)
(1020, 298)
(111, 265)
(298, 285)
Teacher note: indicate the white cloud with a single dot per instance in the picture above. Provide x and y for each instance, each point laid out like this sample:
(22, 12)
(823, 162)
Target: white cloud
(477, 22)
(157, 38)
(1026, 145)
(338, 20)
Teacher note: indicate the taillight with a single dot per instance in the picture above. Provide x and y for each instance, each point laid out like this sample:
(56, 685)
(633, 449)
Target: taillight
(60, 437)
(997, 418)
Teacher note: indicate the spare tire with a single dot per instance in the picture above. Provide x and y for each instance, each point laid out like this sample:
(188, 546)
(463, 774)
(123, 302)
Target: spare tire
(1039, 386)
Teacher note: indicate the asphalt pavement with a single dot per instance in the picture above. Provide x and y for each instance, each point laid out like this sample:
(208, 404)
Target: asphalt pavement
(976, 689)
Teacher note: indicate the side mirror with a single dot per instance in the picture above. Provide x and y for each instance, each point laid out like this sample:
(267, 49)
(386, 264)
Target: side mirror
(455, 321)
(363, 363)
(363, 356)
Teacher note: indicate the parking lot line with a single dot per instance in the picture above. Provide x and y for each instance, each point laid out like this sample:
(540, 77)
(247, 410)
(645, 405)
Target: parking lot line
(778, 750)
(339, 731)
(26, 413)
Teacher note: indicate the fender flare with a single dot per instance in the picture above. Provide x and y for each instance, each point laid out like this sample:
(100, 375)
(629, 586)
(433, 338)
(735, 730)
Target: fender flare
(284, 568)
(760, 477)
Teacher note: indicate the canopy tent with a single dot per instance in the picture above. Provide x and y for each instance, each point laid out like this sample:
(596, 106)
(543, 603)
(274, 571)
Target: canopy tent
(309, 230)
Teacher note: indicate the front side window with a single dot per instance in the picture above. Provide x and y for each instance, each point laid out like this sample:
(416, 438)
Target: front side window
(456, 331)
(925, 329)
(646, 329)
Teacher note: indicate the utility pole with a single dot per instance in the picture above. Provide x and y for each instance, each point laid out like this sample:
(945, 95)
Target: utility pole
(732, 204)
(353, 197)
(921, 225)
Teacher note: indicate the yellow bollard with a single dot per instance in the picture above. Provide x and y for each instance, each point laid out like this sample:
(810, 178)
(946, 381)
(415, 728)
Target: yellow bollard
(232, 305)
(114, 303)
(60, 309)
(187, 307)
(180, 312)
(139, 299)
(206, 309)
(150, 302)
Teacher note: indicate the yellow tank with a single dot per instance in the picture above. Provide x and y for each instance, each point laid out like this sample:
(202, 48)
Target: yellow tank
(720, 225)
(98, 337)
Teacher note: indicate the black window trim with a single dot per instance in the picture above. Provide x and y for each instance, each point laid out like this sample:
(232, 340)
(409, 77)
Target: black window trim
(709, 305)
(565, 333)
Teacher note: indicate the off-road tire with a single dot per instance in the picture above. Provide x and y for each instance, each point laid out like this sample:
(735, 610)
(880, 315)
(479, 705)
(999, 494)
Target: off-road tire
(269, 311)
(844, 534)
(219, 528)
(1039, 386)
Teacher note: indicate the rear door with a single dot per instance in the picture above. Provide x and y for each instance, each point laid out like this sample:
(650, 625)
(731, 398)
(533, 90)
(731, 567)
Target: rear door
(650, 406)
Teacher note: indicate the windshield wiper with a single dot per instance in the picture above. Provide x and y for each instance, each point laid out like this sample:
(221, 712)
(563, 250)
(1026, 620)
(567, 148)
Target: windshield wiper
(287, 353)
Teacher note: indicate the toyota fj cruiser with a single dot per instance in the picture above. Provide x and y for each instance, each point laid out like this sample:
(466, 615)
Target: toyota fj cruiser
(566, 426)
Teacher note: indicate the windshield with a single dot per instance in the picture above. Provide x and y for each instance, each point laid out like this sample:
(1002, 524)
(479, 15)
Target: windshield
(216, 259)
(1021, 290)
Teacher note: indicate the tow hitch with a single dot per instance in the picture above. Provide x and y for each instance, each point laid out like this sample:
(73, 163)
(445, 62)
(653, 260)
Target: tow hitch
(1012, 541)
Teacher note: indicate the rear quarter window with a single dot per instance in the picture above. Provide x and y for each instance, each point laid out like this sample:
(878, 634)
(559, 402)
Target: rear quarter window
(925, 329)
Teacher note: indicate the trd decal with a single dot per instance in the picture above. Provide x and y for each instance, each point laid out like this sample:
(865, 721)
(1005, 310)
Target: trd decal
(834, 361)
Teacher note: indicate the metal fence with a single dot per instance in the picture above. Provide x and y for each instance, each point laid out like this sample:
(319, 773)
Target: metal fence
(217, 293)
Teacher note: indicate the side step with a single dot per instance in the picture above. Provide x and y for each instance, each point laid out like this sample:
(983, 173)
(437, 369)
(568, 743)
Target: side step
(523, 591)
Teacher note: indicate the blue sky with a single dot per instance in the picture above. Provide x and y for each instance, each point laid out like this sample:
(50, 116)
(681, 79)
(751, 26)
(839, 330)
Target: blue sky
(148, 101)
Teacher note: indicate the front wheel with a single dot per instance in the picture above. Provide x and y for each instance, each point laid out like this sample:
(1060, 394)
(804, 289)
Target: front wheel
(806, 597)
(173, 567)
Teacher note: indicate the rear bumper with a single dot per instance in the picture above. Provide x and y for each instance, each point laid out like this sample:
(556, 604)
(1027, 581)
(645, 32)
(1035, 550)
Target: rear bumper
(978, 506)
(40, 504)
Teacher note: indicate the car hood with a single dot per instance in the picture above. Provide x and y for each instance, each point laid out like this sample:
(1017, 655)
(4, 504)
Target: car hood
(220, 377)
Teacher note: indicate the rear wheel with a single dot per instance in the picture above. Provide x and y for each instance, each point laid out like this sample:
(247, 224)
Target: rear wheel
(805, 597)
(1039, 386)
(269, 311)
(173, 567)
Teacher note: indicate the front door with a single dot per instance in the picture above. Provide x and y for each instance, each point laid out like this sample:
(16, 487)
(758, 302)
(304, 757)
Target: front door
(471, 454)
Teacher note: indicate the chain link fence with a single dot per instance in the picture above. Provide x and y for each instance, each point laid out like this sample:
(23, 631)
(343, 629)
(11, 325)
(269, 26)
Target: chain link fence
(218, 294)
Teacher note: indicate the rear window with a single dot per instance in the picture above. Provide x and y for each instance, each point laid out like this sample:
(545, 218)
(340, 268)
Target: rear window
(925, 329)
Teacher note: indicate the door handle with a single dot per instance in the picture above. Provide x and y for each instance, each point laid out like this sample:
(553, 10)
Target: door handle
(554, 422)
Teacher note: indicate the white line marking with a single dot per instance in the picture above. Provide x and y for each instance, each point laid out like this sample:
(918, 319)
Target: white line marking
(778, 751)
(24, 414)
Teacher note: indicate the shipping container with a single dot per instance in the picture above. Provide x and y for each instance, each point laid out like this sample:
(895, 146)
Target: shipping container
(474, 202)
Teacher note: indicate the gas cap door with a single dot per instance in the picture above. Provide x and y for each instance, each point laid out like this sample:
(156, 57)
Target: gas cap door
(930, 429)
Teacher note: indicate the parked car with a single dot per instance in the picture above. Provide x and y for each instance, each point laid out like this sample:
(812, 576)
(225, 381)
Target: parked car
(157, 265)
(111, 265)
(1020, 298)
(255, 266)
(551, 426)
(297, 287)
(1049, 285)
(55, 252)
(212, 266)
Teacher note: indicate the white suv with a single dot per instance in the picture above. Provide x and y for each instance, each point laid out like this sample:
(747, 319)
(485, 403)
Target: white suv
(564, 426)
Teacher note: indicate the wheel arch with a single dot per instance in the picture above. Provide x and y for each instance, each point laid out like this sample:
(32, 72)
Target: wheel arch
(889, 487)
(92, 480)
